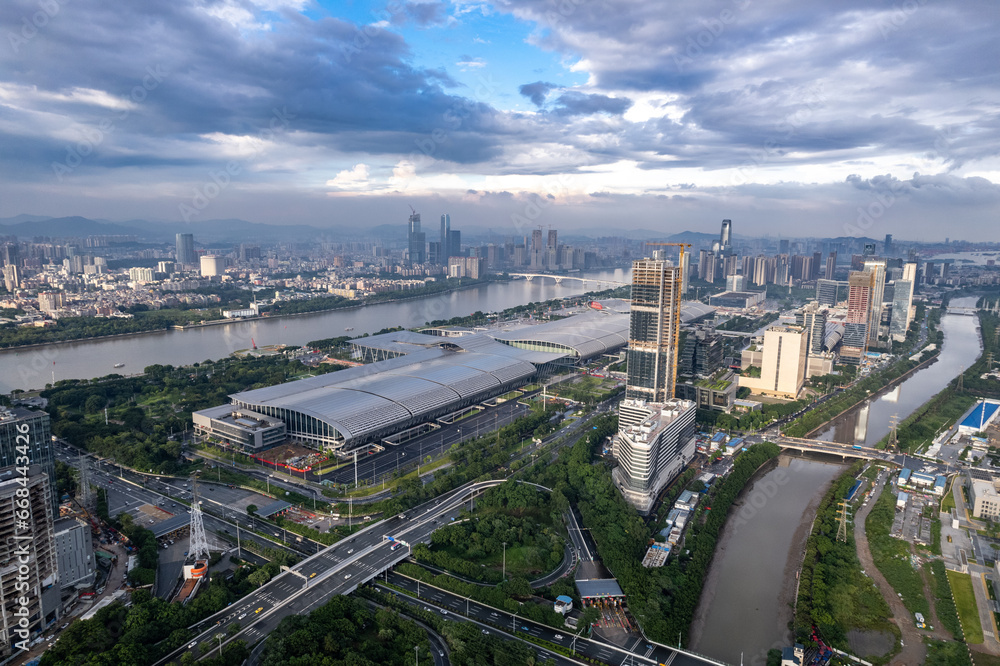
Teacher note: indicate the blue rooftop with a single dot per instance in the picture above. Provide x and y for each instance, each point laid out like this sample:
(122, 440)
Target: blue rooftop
(563, 598)
(904, 475)
(981, 415)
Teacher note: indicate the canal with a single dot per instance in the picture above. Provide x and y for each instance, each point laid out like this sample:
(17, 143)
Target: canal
(34, 367)
(745, 605)
(869, 422)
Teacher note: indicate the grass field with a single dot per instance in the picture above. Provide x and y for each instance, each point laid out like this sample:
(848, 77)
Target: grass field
(948, 503)
(965, 603)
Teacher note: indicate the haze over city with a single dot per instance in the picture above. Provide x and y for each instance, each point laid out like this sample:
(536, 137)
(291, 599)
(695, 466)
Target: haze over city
(787, 116)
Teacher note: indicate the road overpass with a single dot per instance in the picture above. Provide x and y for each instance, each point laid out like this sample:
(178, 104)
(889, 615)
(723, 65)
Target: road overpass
(830, 448)
(559, 278)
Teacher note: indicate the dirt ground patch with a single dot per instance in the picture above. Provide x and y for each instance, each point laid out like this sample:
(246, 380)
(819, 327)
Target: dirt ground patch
(293, 455)
(870, 643)
(154, 512)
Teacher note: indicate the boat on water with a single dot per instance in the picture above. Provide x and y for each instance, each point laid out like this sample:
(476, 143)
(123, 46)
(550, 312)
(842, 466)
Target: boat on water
(349, 328)
(119, 365)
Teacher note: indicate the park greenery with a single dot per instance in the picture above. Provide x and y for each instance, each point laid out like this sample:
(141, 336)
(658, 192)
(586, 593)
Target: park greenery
(511, 528)
(944, 605)
(146, 413)
(468, 646)
(834, 596)
(345, 631)
(662, 599)
(471, 460)
(146, 549)
(893, 556)
(150, 628)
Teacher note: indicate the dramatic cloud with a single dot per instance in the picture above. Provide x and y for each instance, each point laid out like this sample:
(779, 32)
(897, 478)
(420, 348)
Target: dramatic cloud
(703, 109)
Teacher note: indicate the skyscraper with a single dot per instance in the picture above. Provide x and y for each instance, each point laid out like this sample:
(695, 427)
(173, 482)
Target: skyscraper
(726, 237)
(831, 265)
(859, 302)
(887, 246)
(444, 249)
(416, 241)
(20, 427)
(902, 300)
(185, 250)
(655, 430)
(877, 268)
(653, 329)
(812, 319)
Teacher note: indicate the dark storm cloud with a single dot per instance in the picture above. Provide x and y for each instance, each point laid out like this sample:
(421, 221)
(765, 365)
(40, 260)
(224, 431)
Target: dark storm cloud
(580, 104)
(536, 91)
(339, 82)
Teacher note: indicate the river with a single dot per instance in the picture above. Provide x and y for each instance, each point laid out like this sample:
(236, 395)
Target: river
(32, 368)
(744, 609)
(745, 606)
(869, 422)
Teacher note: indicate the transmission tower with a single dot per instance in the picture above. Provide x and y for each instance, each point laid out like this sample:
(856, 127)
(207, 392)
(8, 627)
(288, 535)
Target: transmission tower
(842, 523)
(84, 493)
(199, 540)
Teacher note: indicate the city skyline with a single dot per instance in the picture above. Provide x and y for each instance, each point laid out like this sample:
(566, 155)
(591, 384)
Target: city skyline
(855, 119)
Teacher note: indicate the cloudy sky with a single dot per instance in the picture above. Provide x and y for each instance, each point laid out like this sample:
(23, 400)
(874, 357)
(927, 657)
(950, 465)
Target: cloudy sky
(791, 117)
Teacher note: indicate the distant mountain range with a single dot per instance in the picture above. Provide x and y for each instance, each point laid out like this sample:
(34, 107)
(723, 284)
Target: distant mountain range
(231, 231)
(208, 231)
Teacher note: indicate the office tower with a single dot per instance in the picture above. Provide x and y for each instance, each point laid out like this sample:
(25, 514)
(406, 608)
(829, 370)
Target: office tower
(416, 241)
(859, 306)
(249, 252)
(831, 265)
(812, 319)
(702, 353)
(877, 269)
(902, 297)
(185, 254)
(11, 255)
(887, 245)
(29, 596)
(902, 302)
(783, 363)
(454, 243)
(726, 237)
(945, 270)
(702, 263)
(11, 277)
(711, 267)
(685, 271)
(212, 265)
(930, 272)
(444, 249)
(25, 427)
(816, 264)
(434, 254)
(735, 283)
(74, 553)
(654, 327)
(653, 449)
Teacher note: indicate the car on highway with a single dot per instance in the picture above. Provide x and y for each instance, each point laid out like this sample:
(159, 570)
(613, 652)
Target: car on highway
(351, 550)
(346, 576)
(192, 645)
(312, 575)
(558, 637)
(486, 631)
(242, 615)
(259, 609)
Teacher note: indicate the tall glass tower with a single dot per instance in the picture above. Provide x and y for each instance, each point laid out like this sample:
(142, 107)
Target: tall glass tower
(653, 329)
(185, 250)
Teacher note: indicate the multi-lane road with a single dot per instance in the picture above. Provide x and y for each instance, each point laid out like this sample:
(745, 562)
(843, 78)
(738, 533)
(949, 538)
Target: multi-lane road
(338, 569)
